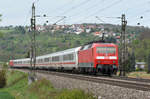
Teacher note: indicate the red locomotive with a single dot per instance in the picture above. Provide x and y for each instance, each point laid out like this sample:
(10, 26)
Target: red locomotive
(99, 57)
(91, 58)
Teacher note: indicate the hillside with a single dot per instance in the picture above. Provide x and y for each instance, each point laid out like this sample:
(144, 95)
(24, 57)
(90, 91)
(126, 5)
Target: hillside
(16, 45)
(15, 42)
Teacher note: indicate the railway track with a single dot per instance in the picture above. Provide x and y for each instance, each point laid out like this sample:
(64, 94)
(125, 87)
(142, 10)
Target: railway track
(131, 79)
(132, 83)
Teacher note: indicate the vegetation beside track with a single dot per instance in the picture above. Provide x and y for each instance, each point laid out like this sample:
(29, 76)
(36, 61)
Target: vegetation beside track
(143, 75)
(17, 88)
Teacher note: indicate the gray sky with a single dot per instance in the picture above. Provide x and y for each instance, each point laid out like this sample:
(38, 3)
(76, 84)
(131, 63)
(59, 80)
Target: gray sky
(18, 12)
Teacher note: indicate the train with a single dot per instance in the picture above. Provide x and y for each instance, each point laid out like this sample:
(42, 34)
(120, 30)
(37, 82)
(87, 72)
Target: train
(91, 58)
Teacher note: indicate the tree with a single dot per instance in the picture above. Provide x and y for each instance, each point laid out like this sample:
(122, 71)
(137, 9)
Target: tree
(1, 34)
(148, 63)
(111, 40)
(130, 63)
(20, 29)
(132, 68)
(2, 78)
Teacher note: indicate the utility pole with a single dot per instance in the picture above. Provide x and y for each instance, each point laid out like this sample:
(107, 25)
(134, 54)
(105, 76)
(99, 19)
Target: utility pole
(32, 77)
(33, 29)
(123, 49)
(103, 35)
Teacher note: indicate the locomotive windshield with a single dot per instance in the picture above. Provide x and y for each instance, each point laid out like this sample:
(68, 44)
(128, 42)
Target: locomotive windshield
(111, 50)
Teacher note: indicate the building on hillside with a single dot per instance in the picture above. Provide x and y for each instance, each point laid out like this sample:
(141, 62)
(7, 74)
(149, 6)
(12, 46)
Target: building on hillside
(98, 34)
(140, 65)
(40, 27)
(87, 30)
(118, 37)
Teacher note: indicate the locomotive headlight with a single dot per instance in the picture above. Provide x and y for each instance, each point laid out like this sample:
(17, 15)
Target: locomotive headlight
(112, 57)
(100, 57)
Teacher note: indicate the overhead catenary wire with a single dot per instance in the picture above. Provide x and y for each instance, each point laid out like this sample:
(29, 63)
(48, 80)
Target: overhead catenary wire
(106, 7)
(102, 9)
(75, 7)
(136, 19)
(29, 13)
(62, 6)
(88, 9)
(84, 3)
(133, 16)
(27, 18)
(100, 19)
(35, 1)
(137, 8)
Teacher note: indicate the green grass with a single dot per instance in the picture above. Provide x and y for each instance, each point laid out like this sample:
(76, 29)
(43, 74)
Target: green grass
(139, 75)
(6, 31)
(6, 95)
(15, 86)
(74, 94)
(14, 75)
(42, 89)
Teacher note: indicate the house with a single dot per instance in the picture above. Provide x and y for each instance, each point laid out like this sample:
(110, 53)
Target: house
(140, 65)
(98, 33)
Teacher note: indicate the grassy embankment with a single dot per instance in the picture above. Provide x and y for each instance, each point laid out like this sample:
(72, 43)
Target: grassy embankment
(139, 75)
(17, 88)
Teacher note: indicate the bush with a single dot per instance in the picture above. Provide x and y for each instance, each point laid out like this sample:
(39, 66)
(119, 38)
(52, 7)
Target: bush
(5, 65)
(138, 69)
(74, 94)
(6, 95)
(2, 78)
(148, 61)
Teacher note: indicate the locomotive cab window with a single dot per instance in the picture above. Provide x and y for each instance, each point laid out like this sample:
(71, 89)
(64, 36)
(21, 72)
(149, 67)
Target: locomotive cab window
(110, 50)
(86, 47)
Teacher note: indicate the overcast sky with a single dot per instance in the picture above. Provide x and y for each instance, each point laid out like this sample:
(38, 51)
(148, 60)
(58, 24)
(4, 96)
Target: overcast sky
(18, 12)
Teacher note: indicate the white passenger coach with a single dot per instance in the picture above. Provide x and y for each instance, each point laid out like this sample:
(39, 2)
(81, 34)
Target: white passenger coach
(67, 59)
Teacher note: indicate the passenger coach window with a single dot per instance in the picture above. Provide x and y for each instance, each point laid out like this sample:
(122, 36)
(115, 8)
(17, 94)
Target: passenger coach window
(40, 61)
(68, 57)
(65, 57)
(55, 58)
(46, 59)
(28, 62)
(20, 62)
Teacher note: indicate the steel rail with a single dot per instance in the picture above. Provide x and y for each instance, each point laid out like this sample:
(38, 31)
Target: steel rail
(131, 83)
(144, 86)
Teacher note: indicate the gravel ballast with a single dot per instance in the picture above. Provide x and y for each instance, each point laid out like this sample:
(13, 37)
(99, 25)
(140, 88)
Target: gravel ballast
(103, 91)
